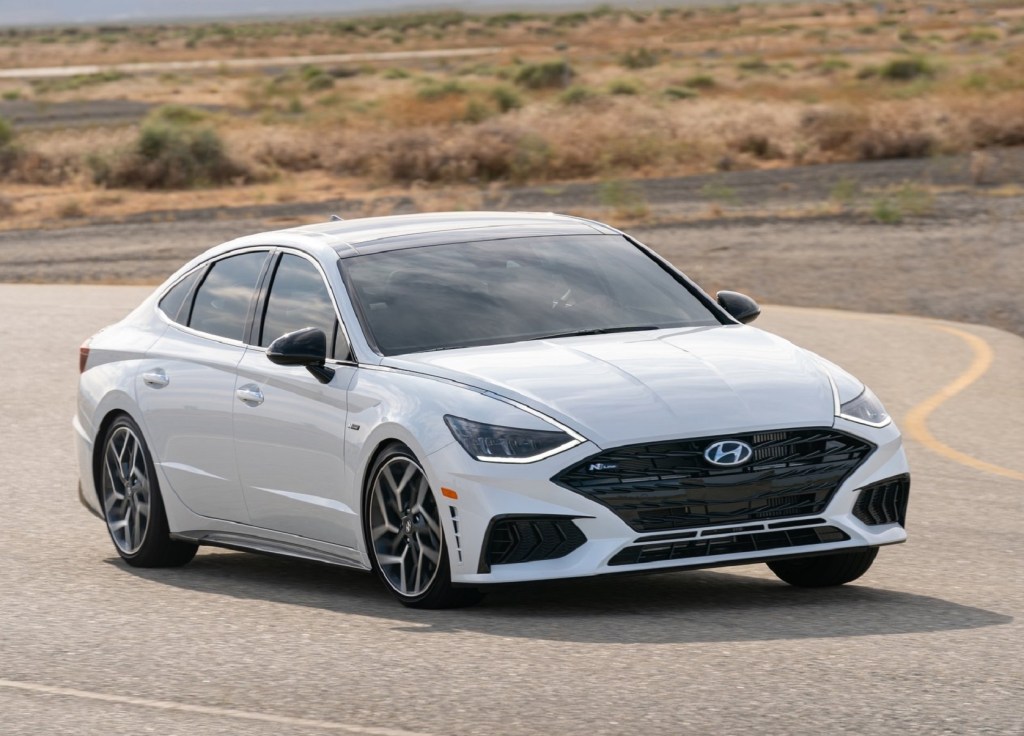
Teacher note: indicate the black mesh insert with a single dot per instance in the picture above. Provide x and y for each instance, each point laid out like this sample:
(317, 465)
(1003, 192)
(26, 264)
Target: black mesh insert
(669, 485)
(884, 502)
(689, 548)
(512, 540)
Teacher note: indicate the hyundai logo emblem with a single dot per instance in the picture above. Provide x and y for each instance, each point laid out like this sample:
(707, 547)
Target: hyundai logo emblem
(728, 453)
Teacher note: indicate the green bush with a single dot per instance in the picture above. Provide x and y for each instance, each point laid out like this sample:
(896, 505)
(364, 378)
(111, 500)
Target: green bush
(680, 93)
(906, 69)
(10, 152)
(178, 115)
(319, 83)
(545, 75)
(827, 66)
(700, 81)
(623, 87)
(577, 95)
(476, 112)
(642, 58)
(433, 91)
(169, 155)
(757, 64)
(6, 132)
(506, 99)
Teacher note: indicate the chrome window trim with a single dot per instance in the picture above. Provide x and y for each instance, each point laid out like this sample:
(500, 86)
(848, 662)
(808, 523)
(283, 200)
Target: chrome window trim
(205, 264)
(270, 250)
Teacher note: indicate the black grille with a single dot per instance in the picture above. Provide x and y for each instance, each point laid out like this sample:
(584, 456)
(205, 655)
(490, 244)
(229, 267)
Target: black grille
(688, 548)
(884, 502)
(511, 540)
(669, 485)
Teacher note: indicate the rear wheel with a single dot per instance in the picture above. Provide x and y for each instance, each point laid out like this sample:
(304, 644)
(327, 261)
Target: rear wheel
(824, 571)
(404, 535)
(132, 505)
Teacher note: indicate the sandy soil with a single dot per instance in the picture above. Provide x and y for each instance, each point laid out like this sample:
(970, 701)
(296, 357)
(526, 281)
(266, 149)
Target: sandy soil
(779, 236)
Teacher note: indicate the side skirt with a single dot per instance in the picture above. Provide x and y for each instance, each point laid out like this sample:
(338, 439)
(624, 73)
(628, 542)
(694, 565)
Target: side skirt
(339, 556)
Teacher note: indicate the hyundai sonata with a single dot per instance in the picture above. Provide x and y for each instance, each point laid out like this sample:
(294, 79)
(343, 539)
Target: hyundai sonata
(460, 400)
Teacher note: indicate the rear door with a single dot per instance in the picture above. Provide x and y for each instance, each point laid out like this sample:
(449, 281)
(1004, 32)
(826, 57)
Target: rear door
(186, 387)
(289, 427)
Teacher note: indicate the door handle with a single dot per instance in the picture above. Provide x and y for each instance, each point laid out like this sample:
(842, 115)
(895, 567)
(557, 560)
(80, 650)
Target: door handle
(249, 394)
(156, 379)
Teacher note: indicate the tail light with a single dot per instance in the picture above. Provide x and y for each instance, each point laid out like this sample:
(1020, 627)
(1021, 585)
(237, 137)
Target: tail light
(83, 355)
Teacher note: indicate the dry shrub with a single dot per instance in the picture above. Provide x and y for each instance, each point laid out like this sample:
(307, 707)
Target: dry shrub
(277, 148)
(833, 129)
(440, 154)
(884, 132)
(415, 111)
(999, 122)
(886, 143)
(759, 146)
(545, 75)
(29, 166)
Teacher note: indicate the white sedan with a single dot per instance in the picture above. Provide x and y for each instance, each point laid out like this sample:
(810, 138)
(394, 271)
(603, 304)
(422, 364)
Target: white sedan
(460, 400)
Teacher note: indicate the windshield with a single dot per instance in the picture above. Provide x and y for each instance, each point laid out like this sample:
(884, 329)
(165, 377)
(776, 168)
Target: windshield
(483, 293)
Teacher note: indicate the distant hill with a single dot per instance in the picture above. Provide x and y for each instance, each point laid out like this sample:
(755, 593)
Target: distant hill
(73, 12)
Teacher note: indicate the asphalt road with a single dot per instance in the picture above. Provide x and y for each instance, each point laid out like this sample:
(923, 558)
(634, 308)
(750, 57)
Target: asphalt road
(270, 62)
(930, 641)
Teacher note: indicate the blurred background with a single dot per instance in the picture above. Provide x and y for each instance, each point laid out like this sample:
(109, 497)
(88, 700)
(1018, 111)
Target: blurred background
(856, 155)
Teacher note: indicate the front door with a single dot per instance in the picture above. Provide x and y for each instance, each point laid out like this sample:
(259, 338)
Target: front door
(289, 427)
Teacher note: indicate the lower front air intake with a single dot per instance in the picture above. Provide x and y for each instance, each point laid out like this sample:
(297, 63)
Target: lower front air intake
(511, 540)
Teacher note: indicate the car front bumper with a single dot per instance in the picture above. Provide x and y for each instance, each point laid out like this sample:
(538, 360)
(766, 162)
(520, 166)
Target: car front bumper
(490, 492)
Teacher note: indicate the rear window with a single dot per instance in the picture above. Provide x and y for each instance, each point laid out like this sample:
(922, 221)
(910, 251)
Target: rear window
(223, 300)
(177, 302)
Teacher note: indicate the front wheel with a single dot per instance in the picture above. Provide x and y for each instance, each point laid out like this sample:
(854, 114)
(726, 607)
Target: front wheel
(132, 505)
(404, 535)
(823, 571)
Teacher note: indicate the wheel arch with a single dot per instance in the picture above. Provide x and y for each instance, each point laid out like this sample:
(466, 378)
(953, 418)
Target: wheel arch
(364, 484)
(97, 447)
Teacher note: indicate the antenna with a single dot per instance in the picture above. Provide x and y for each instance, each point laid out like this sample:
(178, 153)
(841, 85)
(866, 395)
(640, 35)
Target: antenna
(337, 218)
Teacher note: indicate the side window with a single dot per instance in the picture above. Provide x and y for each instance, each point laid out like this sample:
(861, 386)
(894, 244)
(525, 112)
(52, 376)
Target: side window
(298, 298)
(222, 302)
(178, 299)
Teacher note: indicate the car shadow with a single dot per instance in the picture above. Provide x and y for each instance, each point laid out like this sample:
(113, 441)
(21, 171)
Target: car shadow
(699, 606)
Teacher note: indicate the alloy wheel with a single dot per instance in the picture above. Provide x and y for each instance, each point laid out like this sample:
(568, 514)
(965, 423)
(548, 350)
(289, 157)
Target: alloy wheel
(126, 490)
(405, 530)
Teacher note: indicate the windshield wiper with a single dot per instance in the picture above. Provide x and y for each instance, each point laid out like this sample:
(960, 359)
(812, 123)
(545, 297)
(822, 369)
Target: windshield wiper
(597, 331)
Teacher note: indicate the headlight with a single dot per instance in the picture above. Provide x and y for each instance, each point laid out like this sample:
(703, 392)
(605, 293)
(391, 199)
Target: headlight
(492, 444)
(866, 409)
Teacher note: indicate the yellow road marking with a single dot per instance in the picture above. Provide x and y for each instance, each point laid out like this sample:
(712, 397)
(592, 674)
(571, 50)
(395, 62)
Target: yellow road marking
(916, 421)
(204, 709)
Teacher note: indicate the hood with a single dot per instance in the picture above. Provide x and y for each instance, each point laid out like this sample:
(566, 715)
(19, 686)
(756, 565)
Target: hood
(634, 387)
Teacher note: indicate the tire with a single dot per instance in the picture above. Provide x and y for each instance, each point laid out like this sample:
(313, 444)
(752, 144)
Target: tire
(404, 536)
(132, 505)
(825, 571)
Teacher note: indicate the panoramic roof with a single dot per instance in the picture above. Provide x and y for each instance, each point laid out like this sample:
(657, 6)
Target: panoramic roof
(372, 234)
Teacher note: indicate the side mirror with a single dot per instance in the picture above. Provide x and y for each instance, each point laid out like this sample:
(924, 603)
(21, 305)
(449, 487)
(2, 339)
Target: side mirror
(740, 306)
(306, 347)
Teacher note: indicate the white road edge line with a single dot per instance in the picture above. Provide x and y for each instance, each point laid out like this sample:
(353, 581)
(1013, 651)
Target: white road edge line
(208, 710)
